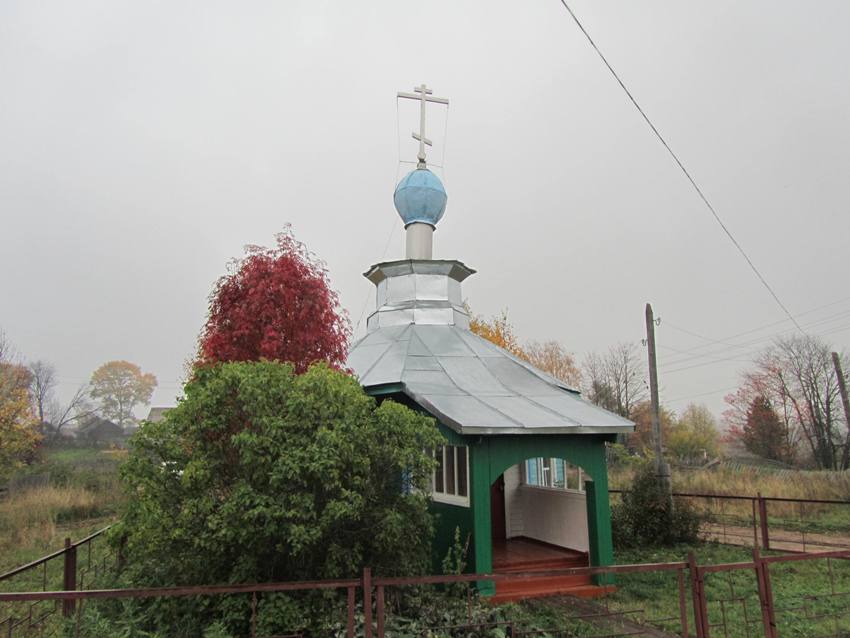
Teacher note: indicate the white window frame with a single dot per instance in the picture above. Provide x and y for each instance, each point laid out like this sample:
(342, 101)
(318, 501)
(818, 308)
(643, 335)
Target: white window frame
(443, 497)
(541, 475)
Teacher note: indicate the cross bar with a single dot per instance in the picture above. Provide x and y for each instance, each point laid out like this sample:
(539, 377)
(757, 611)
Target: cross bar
(428, 98)
(424, 95)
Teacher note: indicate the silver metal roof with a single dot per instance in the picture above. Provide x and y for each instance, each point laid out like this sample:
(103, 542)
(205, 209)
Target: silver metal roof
(472, 385)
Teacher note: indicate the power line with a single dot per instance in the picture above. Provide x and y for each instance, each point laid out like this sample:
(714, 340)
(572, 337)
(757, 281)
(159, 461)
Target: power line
(738, 356)
(702, 394)
(395, 220)
(693, 354)
(724, 340)
(683, 169)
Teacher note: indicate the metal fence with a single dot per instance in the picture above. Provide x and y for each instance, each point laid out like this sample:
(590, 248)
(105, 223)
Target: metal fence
(742, 599)
(752, 598)
(745, 599)
(771, 523)
(71, 568)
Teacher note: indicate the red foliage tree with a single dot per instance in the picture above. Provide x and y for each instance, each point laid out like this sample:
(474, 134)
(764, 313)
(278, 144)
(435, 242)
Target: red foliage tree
(277, 304)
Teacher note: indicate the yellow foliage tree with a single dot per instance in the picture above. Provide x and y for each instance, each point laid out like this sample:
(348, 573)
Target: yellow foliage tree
(120, 386)
(19, 436)
(549, 356)
(694, 435)
(553, 359)
(498, 330)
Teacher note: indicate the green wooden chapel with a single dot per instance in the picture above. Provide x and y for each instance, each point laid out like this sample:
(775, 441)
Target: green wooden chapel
(523, 473)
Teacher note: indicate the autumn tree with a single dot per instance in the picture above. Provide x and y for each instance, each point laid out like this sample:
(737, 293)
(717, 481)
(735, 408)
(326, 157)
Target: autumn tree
(549, 356)
(276, 304)
(552, 358)
(615, 380)
(763, 433)
(641, 440)
(498, 330)
(694, 434)
(19, 437)
(795, 374)
(119, 386)
(758, 385)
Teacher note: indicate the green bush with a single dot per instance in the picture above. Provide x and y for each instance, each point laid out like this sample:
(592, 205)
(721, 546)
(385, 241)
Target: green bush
(647, 516)
(263, 475)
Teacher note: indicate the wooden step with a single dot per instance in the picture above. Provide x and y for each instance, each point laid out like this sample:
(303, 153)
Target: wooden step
(542, 582)
(580, 591)
(568, 562)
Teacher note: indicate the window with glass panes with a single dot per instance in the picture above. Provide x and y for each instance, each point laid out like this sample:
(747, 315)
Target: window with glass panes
(554, 473)
(451, 477)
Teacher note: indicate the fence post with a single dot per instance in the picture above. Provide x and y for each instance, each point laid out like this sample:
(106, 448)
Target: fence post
(765, 595)
(765, 536)
(700, 607)
(70, 576)
(367, 602)
(755, 523)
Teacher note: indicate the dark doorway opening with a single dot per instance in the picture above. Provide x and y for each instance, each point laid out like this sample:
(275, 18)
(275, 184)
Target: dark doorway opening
(497, 510)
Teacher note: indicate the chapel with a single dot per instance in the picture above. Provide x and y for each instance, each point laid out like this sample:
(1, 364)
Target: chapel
(523, 472)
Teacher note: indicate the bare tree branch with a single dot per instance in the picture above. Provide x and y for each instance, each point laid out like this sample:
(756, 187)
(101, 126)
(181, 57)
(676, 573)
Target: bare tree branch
(42, 386)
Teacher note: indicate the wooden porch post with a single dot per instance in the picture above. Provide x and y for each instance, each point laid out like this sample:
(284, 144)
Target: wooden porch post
(482, 534)
(599, 526)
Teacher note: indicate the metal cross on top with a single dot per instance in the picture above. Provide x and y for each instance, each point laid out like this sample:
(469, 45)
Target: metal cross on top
(423, 94)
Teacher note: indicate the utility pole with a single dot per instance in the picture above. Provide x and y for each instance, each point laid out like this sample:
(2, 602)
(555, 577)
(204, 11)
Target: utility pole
(662, 470)
(842, 388)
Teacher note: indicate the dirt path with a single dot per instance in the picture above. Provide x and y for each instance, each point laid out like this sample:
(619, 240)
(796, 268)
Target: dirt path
(780, 539)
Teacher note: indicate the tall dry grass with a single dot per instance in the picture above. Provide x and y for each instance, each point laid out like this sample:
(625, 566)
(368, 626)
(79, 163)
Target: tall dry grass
(81, 493)
(31, 518)
(749, 481)
(731, 479)
(741, 480)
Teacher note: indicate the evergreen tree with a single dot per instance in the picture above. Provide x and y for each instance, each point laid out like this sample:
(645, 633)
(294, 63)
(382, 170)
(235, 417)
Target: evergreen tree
(764, 434)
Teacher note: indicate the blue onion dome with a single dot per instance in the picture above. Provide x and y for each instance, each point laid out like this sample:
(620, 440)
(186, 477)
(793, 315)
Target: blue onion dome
(420, 197)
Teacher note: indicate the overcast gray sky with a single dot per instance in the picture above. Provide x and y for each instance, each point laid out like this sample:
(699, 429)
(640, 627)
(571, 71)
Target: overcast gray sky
(142, 144)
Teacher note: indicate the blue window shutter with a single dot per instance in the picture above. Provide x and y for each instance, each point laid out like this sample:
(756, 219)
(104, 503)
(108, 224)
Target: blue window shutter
(531, 472)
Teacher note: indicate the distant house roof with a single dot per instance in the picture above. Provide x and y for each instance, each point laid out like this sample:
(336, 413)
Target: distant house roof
(100, 428)
(157, 414)
(472, 385)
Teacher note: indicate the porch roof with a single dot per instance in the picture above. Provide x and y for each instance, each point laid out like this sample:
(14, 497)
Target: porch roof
(473, 386)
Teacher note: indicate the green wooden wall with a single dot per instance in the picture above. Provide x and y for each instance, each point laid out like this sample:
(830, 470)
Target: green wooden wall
(489, 457)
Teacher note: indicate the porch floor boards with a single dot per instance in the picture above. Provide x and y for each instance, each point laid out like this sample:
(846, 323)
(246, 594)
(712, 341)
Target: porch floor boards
(520, 555)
